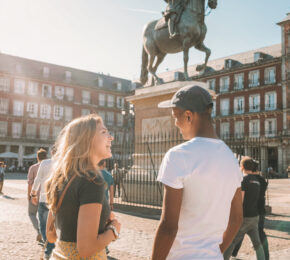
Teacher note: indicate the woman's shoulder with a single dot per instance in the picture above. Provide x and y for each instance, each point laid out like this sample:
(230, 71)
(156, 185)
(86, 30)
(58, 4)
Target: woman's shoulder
(91, 177)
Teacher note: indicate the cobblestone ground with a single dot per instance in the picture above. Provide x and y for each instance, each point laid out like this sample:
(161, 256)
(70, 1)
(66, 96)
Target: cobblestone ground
(17, 237)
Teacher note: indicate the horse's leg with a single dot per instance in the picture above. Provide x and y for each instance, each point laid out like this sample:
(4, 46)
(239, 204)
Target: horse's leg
(160, 58)
(186, 46)
(207, 51)
(152, 70)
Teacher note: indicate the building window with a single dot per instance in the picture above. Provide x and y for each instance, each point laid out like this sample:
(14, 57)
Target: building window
(225, 130)
(100, 82)
(102, 100)
(4, 84)
(110, 118)
(111, 101)
(16, 130)
(120, 120)
(102, 114)
(254, 128)
(225, 107)
(46, 90)
(68, 113)
(18, 108)
(31, 130)
(19, 86)
(32, 109)
(86, 97)
(254, 79)
(119, 85)
(58, 112)
(224, 84)
(270, 127)
(68, 75)
(4, 103)
(239, 81)
(55, 132)
(85, 112)
(59, 92)
(44, 132)
(119, 136)
(45, 111)
(120, 102)
(254, 103)
(46, 72)
(3, 128)
(211, 84)
(239, 105)
(270, 101)
(213, 112)
(239, 129)
(69, 93)
(270, 75)
(32, 88)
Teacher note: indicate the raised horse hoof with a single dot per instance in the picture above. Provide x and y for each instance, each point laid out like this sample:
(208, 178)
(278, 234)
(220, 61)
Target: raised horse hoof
(200, 67)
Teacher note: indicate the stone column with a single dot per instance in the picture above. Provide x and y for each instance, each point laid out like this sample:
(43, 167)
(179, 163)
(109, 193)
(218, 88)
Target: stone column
(20, 155)
(264, 162)
(280, 159)
(8, 148)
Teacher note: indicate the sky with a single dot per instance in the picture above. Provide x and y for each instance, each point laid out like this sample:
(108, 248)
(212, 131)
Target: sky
(106, 36)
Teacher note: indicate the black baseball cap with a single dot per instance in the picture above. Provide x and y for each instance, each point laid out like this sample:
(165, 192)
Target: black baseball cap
(191, 97)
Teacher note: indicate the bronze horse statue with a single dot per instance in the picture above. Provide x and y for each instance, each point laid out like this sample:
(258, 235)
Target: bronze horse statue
(191, 32)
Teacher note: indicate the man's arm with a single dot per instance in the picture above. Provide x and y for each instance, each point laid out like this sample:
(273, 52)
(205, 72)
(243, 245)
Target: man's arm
(235, 220)
(168, 225)
(30, 182)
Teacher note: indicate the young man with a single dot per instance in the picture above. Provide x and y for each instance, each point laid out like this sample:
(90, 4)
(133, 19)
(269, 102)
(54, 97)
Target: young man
(43, 174)
(2, 175)
(202, 204)
(251, 189)
(32, 209)
(117, 175)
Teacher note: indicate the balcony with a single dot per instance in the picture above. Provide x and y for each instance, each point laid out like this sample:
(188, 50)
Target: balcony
(254, 83)
(224, 88)
(238, 111)
(269, 80)
(224, 112)
(238, 86)
(254, 108)
(270, 107)
(254, 134)
(239, 135)
(271, 133)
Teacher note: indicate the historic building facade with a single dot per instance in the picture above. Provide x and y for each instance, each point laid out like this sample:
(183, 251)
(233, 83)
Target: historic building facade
(38, 99)
(252, 99)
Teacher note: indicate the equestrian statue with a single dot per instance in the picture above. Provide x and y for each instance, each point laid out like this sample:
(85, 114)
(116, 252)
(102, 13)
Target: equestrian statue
(181, 27)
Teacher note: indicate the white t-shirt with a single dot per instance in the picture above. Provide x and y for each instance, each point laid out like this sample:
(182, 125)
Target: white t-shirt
(209, 175)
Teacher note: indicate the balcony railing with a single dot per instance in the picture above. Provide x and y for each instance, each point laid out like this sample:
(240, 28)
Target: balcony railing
(225, 112)
(254, 108)
(270, 107)
(254, 83)
(238, 111)
(238, 85)
(271, 133)
(224, 88)
(269, 80)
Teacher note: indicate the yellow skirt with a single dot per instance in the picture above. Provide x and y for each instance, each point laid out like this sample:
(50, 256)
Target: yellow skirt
(68, 250)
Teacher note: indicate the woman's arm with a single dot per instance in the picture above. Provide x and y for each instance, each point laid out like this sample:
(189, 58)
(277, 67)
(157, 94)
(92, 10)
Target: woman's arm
(88, 240)
(168, 225)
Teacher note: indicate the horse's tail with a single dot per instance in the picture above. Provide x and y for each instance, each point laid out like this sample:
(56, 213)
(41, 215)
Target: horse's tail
(144, 70)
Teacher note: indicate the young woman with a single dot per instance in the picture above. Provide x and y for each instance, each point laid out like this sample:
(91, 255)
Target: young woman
(82, 221)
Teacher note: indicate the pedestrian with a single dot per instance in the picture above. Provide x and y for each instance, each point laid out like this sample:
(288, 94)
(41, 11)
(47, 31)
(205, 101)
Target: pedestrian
(82, 220)
(251, 190)
(262, 213)
(202, 204)
(43, 174)
(117, 175)
(109, 191)
(32, 209)
(2, 175)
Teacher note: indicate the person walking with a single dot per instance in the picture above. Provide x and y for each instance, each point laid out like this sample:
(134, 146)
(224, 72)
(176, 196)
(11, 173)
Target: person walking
(43, 174)
(82, 220)
(262, 213)
(117, 176)
(32, 209)
(2, 175)
(251, 190)
(202, 203)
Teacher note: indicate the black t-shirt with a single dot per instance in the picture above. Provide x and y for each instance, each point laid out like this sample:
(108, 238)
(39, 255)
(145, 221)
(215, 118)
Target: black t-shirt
(251, 187)
(261, 200)
(81, 191)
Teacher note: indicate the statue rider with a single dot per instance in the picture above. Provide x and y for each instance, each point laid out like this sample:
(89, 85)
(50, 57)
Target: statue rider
(172, 14)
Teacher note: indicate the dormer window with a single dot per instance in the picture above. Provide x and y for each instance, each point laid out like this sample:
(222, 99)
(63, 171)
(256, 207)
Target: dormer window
(228, 63)
(258, 56)
(45, 72)
(118, 85)
(68, 75)
(100, 82)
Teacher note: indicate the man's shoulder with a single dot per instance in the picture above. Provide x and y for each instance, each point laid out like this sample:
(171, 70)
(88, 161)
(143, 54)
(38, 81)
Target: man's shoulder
(34, 166)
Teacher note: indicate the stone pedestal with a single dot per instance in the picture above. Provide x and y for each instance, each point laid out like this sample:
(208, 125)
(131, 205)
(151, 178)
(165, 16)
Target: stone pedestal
(140, 183)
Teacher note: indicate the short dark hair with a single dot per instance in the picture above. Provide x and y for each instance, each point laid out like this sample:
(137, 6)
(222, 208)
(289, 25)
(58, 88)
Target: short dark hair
(249, 164)
(41, 154)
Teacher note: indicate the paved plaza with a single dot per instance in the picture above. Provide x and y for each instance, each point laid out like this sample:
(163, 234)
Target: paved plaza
(17, 237)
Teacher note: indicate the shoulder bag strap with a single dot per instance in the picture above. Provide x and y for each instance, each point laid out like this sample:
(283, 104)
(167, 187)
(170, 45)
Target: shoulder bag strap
(64, 191)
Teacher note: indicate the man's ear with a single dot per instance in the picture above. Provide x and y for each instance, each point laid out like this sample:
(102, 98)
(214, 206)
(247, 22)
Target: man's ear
(188, 115)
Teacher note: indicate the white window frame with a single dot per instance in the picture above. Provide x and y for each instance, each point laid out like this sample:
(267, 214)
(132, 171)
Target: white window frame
(254, 107)
(68, 113)
(19, 86)
(30, 130)
(45, 111)
(119, 85)
(32, 88)
(120, 101)
(44, 132)
(110, 118)
(59, 92)
(224, 87)
(46, 90)
(120, 120)
(4, 106)
(16, 130)
(254, 124)
(253, 82)
(18, 108)
(110, 101)
(4, 84)
(69, 93)
(86, 97)
(269, 79)
(239, 129)
(102, 100)
(57, 112)
(239, 81)
(223, 127)
(211, 84)
(239, 105)
(273, 123)
(213, 112)
(268, 105)
(3, 128)
(100, 82)
(32, 109)
(225, 111)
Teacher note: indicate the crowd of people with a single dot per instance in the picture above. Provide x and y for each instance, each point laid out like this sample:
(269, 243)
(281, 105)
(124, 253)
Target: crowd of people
(210, 201)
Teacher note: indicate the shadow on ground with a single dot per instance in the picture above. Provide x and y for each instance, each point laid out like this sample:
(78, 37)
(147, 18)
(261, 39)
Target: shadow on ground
(279, 225)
